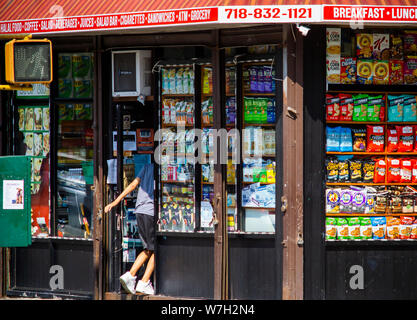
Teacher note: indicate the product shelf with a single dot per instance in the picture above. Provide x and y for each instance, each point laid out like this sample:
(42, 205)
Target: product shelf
(259, 94)
(370, 214)
(374, 153)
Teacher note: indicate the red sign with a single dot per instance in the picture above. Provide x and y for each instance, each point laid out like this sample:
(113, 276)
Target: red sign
(370, 13)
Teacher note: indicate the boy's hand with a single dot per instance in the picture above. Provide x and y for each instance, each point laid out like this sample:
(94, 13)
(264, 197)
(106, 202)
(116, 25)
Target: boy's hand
(108, 208)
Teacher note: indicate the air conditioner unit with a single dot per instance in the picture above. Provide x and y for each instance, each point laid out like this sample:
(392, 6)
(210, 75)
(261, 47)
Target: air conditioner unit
(131, 73)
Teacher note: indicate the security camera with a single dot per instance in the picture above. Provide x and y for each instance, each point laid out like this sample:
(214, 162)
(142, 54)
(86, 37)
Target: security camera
(303, 29)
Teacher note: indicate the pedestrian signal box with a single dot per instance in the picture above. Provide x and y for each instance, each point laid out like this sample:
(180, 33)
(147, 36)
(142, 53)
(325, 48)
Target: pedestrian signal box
(28, 61)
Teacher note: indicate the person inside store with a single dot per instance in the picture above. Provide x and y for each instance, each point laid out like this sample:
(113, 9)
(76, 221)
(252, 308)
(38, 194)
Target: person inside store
(144, 211)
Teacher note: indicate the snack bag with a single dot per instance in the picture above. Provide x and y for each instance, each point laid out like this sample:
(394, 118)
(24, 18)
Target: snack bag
(332, 200)
(395, 108)
(374, 108)
(360, 106)
(410, 71)
(392, 141)
(380, 72)
(332, 107)
(359, 140)
(406, 171)
(380, 46)
(365, 228)
(342, 229)
(370, 200)
(343, 170)
(333, 139)
(380, 169)
(396, 72)
(410, 43)
(355, 169)
(354, 227)
(331, 228)
(405, 138)
(364, 72)
(394, 169)
(380, 203)
(405, 227)
(397, 48)
(347, 70)
(346, 140)
(358, 201)
(375, 139)
(414, 171)
(368, 171)
(378, 227)
(413, 232)
(364, 43)
(346, 107)
(346, 198)
(409, 109)
(395, 204)
(393, 228)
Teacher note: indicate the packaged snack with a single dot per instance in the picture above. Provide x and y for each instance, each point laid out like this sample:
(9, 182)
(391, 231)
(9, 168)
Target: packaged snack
(343, 170)
(83, 88)
(65, 112)
(395, 108)
(380, 169)
(393, 228)
(345, 140)
(368, 167)
(253, 76)
(332, 107)
(81, 65)
(346, 198)
(360, 106)
(64, 66)
(333, 139)
(375, 138)
(65, 88)
(395, 203)
(397, 48)
(410, 71)
(365, 228)
(380, 72)
(392, 140)
(413, 232)
(396, 72)
(83, 111)
(406, 171)
(408, 205)
(380, 203)
(354, 227)
(342, 229)
(346, 107)
(347, 70)
(331, 228)
(333, 69)
(359, 140)
(358, 201)
(409, 109)
(355, 169)
(261, 80)
(378, 227)
(364, 43)
(380, 46)
(405, 138)
(405, 227)
(364, 72)
(374, 108)
(332, 200)
(414, 171)
(370, 200)
(410, 43)
(394, 169)
(382, 112)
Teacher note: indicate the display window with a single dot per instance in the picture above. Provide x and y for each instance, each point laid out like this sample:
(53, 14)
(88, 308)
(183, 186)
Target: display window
(371, 135)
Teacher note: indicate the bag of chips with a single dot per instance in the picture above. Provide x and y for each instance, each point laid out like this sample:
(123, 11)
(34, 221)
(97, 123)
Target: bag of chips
(346, 107)
(381, 203)
(415, 139)
(346, 140)
(358, 200)
(365, 228)
(413, 233)
(405, 227)
(359, 140)
(375, 139)
(374, 107)
(333, 139)
(380, 169)
(392, 140)
(346, 198)
(355, 169)
(368, 167)
(414, 171)
(343, 170)
(342, 229)
(406, 171)
(360, 106)
(332, 200)
(395, 108)
(394, 169)
(378, 227)
(332, 168)
(409, 109)
(354, 227)
(332, 108)
(393, 228)
(370, 200)
(331, 228)
(405, 138)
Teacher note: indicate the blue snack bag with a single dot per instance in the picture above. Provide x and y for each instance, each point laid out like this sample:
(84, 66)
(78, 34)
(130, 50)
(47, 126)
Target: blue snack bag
(409, 110)
(395, 108)
(379, 227)
(346, 144)
(333, 139)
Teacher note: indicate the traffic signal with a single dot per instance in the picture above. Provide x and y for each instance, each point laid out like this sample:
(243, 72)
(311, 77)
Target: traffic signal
(28, 61)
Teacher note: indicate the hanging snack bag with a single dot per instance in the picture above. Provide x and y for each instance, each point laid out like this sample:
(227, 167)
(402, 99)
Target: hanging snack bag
(409, 109)
(378, 227)
(410, 71)
(392, 140)
(332, 167)
(346, 107)
(406, 171)
(375, 139)
(342, 229)
(380, 203)
(395, 108)
(396, 72)
(408, 205)
(405, 138)
(355, 169)
(332, 200)
(370, 200)
(332, 107)
(380, 169)
(343, 170)
(333, 139)
(368, 171)
(346, 140)
(358, 200)
(414, 171)
(394, 170)
(365, 71)
(405, 227)
(395, 204)
(354, 227)
(360, 106)
(331, 228)
(393, 228)
(397, 48)
(359, 140)
(346, 198)
(374, 108)
(365, 228)
(347, 70)
(413, 232)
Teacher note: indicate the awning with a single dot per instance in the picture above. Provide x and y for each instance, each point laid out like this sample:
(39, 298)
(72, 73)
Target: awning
(52, 16)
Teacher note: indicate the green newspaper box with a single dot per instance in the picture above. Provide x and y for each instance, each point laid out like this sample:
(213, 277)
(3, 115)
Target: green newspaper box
(15, 206)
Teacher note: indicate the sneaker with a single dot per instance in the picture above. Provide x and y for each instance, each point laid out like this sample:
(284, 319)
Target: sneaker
(145, 287)
(128, 282)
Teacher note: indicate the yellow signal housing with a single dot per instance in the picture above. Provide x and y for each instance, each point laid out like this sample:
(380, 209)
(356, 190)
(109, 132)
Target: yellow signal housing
(28, 61)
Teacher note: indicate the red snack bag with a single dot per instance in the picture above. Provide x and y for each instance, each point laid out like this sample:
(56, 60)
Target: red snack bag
(413, 233)
(375, 139)
(392, 140)
(346, 107)
(405, 227)
(415, 139)
(382, 114)
(414, 171)
(332, 108)
(405, 138)
(394, 169)
(406, 170)
(380, 169)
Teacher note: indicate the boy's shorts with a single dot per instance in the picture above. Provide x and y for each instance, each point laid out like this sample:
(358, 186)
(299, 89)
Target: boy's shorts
(146, 230)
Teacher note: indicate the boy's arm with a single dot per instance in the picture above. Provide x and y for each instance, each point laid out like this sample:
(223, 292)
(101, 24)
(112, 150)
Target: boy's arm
(125, 192)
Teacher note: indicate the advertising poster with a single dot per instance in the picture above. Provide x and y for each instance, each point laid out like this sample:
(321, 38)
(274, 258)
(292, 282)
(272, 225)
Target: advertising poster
(13, 194)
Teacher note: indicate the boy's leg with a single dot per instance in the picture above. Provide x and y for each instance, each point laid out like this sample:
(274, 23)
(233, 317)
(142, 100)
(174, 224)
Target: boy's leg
(140, 260)
(149, 268)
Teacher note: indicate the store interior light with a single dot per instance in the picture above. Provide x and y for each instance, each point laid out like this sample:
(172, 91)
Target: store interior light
(303, 29)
